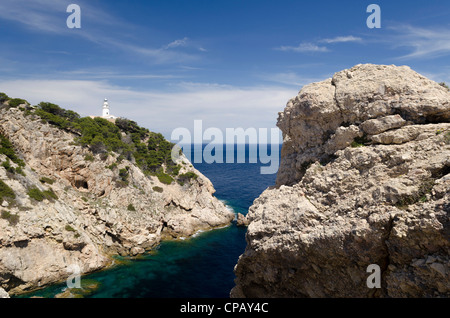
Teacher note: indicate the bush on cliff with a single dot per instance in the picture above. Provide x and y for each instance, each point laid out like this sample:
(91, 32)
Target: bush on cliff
(13, 219)
(16, 102)
(151, 151)
(187, 177)
(39, 195)
(7, 149)
(164, 178)
(6, 192)
(3, 98)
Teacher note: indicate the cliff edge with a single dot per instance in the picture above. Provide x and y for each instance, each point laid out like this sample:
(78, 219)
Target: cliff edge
(364, 181)
(68, 198)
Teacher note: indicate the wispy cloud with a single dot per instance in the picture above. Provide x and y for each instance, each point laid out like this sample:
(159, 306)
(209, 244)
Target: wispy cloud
(342, 39)
(176, 43)
(423, 42)
(40, 15)
(304, 47)
(316, 46)
(48, 16)
(103, 74)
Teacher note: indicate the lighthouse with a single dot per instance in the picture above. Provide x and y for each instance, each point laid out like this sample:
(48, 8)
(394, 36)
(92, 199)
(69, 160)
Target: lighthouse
(105, 108)
(105, 112)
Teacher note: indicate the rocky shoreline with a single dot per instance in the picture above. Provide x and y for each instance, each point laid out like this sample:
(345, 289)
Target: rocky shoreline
(70, 206)
(364, 180)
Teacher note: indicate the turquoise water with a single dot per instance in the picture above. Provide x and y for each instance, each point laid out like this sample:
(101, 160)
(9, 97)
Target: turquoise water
(197, 267)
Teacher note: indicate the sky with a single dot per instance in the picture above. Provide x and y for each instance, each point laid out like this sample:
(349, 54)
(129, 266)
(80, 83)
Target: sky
(229, 63)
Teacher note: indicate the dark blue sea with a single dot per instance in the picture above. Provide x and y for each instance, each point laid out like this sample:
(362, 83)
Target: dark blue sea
(197, 267)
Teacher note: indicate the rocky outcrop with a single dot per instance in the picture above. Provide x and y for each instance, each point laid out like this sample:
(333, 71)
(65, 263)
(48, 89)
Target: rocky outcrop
(241, 220)
(364, 180)
(91, 215)
(3, 293)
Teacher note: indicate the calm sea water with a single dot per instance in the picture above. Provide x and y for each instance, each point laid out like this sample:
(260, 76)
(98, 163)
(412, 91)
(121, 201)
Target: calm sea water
(201, 266)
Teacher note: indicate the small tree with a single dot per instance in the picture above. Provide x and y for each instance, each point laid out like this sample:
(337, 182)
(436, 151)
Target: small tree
(3, 98)
(444, 85)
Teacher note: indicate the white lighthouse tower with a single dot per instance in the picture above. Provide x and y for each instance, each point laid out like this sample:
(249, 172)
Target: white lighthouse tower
(105, 108)
(105, 112)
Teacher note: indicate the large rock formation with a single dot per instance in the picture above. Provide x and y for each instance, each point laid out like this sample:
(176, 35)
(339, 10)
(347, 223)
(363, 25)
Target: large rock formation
(93, 214)
(363, 180)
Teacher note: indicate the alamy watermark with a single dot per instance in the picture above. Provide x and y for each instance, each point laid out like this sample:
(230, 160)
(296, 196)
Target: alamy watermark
(74, 19)
(374, 20)
(74, 280)
(209, 146)
(374, 279)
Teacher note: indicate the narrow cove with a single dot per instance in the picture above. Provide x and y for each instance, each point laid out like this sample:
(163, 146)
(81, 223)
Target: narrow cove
(197, 267)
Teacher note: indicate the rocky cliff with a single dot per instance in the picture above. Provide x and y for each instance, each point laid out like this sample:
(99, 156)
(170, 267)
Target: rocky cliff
(65, 205)
(364, 180)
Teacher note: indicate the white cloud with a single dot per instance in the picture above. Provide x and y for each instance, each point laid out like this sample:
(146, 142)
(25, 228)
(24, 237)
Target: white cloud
(423, 42)
(304, 47)
(220, 106)
(342, 39)
(315, 47)
(176, 43)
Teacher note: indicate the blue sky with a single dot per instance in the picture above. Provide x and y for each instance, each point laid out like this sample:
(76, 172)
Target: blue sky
(230, 63)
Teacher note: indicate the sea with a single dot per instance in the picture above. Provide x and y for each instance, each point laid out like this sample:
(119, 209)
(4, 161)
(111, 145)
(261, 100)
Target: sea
(197, 267)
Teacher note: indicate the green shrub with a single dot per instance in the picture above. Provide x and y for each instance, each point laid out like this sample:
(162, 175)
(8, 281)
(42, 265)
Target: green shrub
(84, 199)
(360, 142)
(6, 192)
(13, 219)
(46, 180)
(3, 98)
(16, 102)
(20, 171)
(50, 195)
(158, 189)
(7, 165)
(69, 228)
(39, 195)
(164, 178)
(444, 85)
(186, 177)
(7, 149)
(131, 207)
(112, 166)
(89, 157)
(123, 174)
(36, 194)
(174, 170)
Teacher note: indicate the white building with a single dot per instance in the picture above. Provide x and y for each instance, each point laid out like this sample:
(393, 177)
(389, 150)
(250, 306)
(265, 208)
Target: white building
(105, 113)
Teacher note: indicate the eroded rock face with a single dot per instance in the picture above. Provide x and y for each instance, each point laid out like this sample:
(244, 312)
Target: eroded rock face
(3, 293)
(364, 179)
(91, 218)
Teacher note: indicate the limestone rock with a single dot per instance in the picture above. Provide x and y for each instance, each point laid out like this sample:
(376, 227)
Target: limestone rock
(340, 206)
(379, 125)
(352, 97)
(90, 220)
(242, 220)
(3, 293)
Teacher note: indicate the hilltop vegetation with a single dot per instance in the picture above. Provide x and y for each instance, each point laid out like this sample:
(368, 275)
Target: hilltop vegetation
(150, 151)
